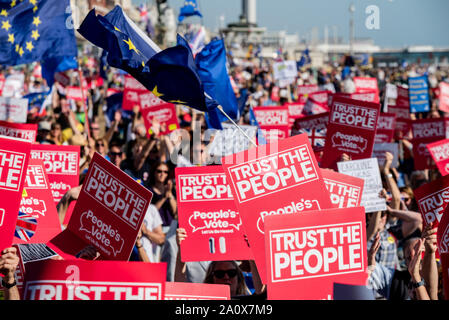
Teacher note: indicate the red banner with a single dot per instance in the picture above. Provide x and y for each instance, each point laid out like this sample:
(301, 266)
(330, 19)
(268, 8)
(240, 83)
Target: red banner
(345, 191)
(308, 252)
(62, 166)
(440, 154)
(444, 97)
(279, 178)
(18, 130)
(351, 130)
(385, 128)
(207, 211)
(94, 280)
(196, 291)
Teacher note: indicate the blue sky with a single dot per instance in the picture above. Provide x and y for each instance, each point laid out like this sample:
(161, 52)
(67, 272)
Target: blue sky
(402, 22)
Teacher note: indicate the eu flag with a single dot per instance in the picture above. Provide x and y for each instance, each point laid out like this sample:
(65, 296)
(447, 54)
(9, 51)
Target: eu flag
(35, 30)
(189, 9)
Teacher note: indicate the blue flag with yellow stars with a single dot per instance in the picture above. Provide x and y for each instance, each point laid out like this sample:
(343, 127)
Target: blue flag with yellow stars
(189, 9)
(170, 74)
(35, 30)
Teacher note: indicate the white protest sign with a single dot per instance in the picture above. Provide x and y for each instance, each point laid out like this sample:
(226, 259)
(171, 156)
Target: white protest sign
(379, 153)
(367, 169)
(13, 109)
(230, 140)
(13, 86)
(285, 70)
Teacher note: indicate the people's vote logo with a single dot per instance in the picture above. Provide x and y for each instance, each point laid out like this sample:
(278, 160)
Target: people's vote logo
(355, 143)
(215, 221)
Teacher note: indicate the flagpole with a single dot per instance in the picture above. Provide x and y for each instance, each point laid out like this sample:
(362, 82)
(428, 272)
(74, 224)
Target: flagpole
(235, 124)
(86, 114)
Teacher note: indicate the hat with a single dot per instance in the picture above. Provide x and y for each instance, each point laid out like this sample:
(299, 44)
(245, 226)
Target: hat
(77, 140)
(44, 125)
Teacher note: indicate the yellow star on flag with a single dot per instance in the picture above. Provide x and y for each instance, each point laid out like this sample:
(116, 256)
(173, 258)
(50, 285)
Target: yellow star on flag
(157, 94)
(6, 25)
(33, 2)
(117, 29)
(4, 13)
(36, 21)
(131, 45)
(35, 34)
(13, 3)
(177, 102)
(29, 46)
(35, 9)
(11, 38)
(21, 52)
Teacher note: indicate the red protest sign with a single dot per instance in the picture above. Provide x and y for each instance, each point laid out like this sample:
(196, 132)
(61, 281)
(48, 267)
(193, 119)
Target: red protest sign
(62, 166)
(345, 191)
(402, 126)
(363, 84)
(94, 280)
(444, 97)
(403, 97)
(38, 220)
(273, 121)
(303, 92)
(207, 211)
(294, 112)
(164, 113)
(440, 154)
(320, 96)
(314, 107)
(75, 93)
(132, 84)
(443, 233)
(196, 291)
(23, 131)
(401, 112)
(385, 128)
(14, 156)
(108, 213)
(279, 178)
(366, 95)
(131, 92)
(426, 131)
(351, 130)
(308, 252)
(315, 127)
(445, 267)
(19, 274)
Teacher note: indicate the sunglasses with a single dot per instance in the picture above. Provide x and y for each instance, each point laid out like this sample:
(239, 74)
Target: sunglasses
(100, 144)
(116, 154)
(162, 171)
(221, 273)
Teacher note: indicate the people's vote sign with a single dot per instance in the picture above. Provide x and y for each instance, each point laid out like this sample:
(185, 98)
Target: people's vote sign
(307, 253)
(444, 97)
(94, 280)
(131, 92)
(38, 220)
(385, 128)
(345, 191)
(432, 199)
(440, 154)
(164, 113)
(207, 211)
(303, 92)
(24, 131)
(13, 109)
(351, 130)
(419, 94)
(275, 179)
(196, 291)
(403, 99)
(108, 213)
(368, 170)
(273, 121)
(365, 84)
(14, 157)
(315, 127)
(295, 110)
(62, 167)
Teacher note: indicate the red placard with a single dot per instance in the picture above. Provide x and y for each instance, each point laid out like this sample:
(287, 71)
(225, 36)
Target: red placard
(445, 267)
(363, 84)
(132, 84)
(366, 95)
(385, 128)
(164, 113)
(207, 211)
(443, 233)
(314, 107)
(315, 127)
(444, 97)
(38, 220)
(306, 253)
(75, 93)
(294, 112)
(2, 83)
(196, 291)
(304, 91)
(401, 112)
(94, 280)
(440, 154)
(108, 213)
(278, 178)
(62, 166)
(14, 157)
(403, 97)
(273, 121)
(320, 96)
(351, 130)
(19, 130)
(426, 131)
(345, 191)
(131, 92)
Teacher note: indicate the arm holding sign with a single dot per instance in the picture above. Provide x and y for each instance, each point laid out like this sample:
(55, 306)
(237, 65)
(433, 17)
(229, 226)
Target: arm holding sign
(65, 201)
(142, 253)
(8, 265)
(429, 265)
(413, 268)
(180, 269)
(391, 183)
(410, 220)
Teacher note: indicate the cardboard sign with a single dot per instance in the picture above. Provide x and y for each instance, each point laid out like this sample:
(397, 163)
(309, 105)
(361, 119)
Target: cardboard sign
(62, 167)
(22, 131)
(308, 252)
(432, 199)
(94, 280)
(314, 107)
(368, 170)
(364, 84)
(76, 93)
(315, 127)
(345, 191)
(273, 121)
(444, 97)
(385, 128)
(230, 140)
(165, 114)
(426, 131)
(403, 99)
(38, 220)
(443, 233)
(13, 87)
(379, 153)
(304, 91)
(285, 70)
(196, 291)
(274, 179)
(439, 151)
(13, 109)
(108, 213)
(14, 157)
(207, 211)
(419, 94)
(351, 130)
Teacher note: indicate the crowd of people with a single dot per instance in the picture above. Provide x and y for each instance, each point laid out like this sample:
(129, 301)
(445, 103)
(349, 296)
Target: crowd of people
(396, 237)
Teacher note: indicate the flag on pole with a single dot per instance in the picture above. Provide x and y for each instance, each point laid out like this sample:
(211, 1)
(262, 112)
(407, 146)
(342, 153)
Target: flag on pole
(189, 9)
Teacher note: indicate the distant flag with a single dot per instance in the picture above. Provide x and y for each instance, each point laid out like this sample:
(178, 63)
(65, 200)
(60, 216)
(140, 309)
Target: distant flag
(305, 59)
(196, 40)
(189, 9)
(37, 100)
